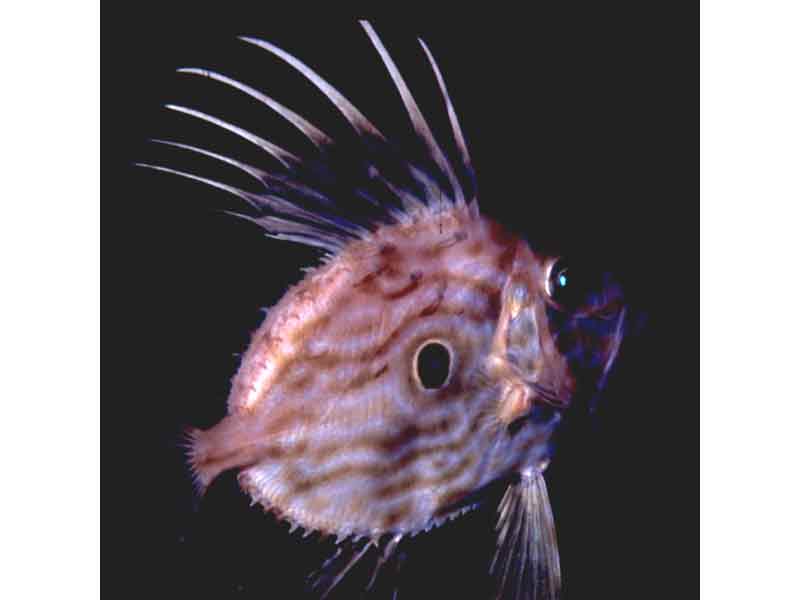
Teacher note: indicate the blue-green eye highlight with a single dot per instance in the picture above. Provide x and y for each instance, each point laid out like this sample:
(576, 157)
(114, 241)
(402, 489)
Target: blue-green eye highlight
(559, 283)
(580, 287)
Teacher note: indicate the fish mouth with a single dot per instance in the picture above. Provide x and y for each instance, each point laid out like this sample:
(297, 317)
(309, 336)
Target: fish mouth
(523, 399)
(540, 413)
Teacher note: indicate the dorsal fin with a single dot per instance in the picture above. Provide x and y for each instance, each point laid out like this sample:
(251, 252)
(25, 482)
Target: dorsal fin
(309, 200)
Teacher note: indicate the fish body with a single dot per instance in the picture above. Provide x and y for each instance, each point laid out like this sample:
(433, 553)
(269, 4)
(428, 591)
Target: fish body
(326, 416)
(431, 354)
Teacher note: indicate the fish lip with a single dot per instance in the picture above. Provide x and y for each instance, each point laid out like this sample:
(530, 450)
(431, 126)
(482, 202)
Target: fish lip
(526, 401)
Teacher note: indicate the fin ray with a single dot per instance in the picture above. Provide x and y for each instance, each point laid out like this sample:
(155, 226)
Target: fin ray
(274, 183)
(324, 238)
(354, 116)
(318, 137)
(250, 198)
(350, 552)
(455, 125)
(333, 570)
(284, 157)
(258, 174)
(527, 554)
(417, 119)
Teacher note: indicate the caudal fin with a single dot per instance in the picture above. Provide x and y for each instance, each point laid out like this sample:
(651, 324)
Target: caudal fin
(213, 451)
(195, 444)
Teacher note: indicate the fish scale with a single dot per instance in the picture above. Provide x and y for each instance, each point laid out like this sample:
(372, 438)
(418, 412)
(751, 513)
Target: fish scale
(331, 421)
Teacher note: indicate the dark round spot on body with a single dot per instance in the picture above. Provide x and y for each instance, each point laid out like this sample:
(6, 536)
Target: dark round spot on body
(433, 365)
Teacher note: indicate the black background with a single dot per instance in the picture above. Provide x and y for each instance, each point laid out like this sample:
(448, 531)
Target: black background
(583, 127)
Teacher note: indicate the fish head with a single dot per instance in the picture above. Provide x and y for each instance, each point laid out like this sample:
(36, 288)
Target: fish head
(558, 334)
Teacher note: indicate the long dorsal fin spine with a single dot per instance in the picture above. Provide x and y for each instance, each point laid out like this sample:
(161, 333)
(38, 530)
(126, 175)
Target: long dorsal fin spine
(285, 157)
(414, 113)
(315, 135)
(458, 134)
(356, 118)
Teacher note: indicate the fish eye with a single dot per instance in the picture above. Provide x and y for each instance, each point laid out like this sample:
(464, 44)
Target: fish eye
(581, 287)
(432, 364)
(559, 283)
